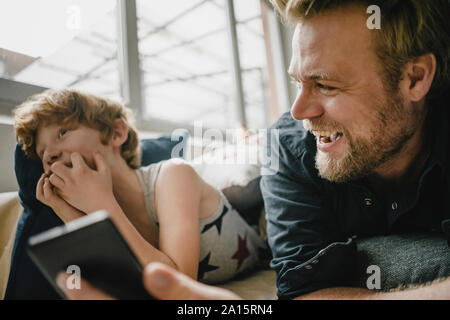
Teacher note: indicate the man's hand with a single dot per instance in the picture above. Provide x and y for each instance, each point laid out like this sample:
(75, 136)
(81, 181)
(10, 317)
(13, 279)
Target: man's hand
(161, 281)
(48, 196)
(82, 187)
(165, 283)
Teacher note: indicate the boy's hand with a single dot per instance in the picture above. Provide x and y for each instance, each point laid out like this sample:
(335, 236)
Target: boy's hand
(48, 196)
(84, 188)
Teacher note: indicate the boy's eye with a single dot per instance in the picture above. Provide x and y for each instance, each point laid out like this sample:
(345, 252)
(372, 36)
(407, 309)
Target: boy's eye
(62, 132)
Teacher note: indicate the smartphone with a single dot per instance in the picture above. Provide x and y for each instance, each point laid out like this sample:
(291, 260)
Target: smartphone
(93, 248)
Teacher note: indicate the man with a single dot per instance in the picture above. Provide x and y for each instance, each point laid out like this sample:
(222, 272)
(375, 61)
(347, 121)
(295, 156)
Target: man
(363, 152)
(372, 155)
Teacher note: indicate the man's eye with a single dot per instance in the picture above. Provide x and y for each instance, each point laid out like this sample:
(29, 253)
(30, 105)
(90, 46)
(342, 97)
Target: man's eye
(323, 87)
(62, 132)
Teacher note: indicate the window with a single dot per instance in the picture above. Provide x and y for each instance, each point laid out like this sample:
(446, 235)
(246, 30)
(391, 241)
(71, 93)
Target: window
(64, 43)
(186, 53)
(186, 61)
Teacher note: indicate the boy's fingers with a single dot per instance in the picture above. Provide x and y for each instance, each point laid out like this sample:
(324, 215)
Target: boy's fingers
(49, 194)
(100, 162)
(61, 170)
(39, 188)
(56, 181)
(79, 289)
(77, 160)
(47, 189)
(165, 283)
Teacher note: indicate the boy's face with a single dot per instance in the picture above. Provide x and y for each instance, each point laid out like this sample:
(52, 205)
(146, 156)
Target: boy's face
(56, 143)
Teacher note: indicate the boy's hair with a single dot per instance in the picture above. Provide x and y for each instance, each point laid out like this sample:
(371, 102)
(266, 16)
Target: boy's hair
(409, 29)
(71, 108)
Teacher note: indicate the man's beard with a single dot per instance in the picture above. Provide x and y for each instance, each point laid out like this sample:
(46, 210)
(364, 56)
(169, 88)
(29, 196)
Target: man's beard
(392, 128)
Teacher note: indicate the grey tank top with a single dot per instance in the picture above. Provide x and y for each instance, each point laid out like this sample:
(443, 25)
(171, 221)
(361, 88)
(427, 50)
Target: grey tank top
(147, 177)
(228, 245)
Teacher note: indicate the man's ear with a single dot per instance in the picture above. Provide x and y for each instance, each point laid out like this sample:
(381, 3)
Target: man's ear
(120, 133)
(418, 77)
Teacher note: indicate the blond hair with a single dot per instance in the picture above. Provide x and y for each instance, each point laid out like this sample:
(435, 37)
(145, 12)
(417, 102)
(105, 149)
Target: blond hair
(409, 29)
(71, 108)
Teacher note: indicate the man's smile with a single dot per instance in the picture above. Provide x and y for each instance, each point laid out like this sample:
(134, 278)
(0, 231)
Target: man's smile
(326, 140)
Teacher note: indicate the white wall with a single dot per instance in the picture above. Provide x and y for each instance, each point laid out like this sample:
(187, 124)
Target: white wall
(7, 145)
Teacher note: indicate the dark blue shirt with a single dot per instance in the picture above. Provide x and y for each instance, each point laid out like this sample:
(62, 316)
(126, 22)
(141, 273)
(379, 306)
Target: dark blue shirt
(312, 222)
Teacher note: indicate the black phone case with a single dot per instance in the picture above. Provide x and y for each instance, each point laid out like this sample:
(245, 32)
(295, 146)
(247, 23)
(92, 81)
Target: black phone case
(93, 244)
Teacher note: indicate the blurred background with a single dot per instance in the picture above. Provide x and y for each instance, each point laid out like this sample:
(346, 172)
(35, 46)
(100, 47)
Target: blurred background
(176, 63)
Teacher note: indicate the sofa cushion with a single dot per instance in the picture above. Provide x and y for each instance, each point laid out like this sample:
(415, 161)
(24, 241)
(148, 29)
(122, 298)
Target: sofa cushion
(10, 211)
(25, 280)
(402, 260)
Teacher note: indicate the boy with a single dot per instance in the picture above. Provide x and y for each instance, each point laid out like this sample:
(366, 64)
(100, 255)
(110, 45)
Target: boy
(165, 211)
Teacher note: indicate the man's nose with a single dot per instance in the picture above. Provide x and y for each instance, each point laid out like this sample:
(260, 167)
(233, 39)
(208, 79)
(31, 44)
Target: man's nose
(305, 106)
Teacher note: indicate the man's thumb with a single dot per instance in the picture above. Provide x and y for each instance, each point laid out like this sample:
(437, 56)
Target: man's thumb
(165, 283)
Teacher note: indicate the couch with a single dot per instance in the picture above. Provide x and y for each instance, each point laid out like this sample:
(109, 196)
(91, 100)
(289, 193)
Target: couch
(10, 211)
(411, 252)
